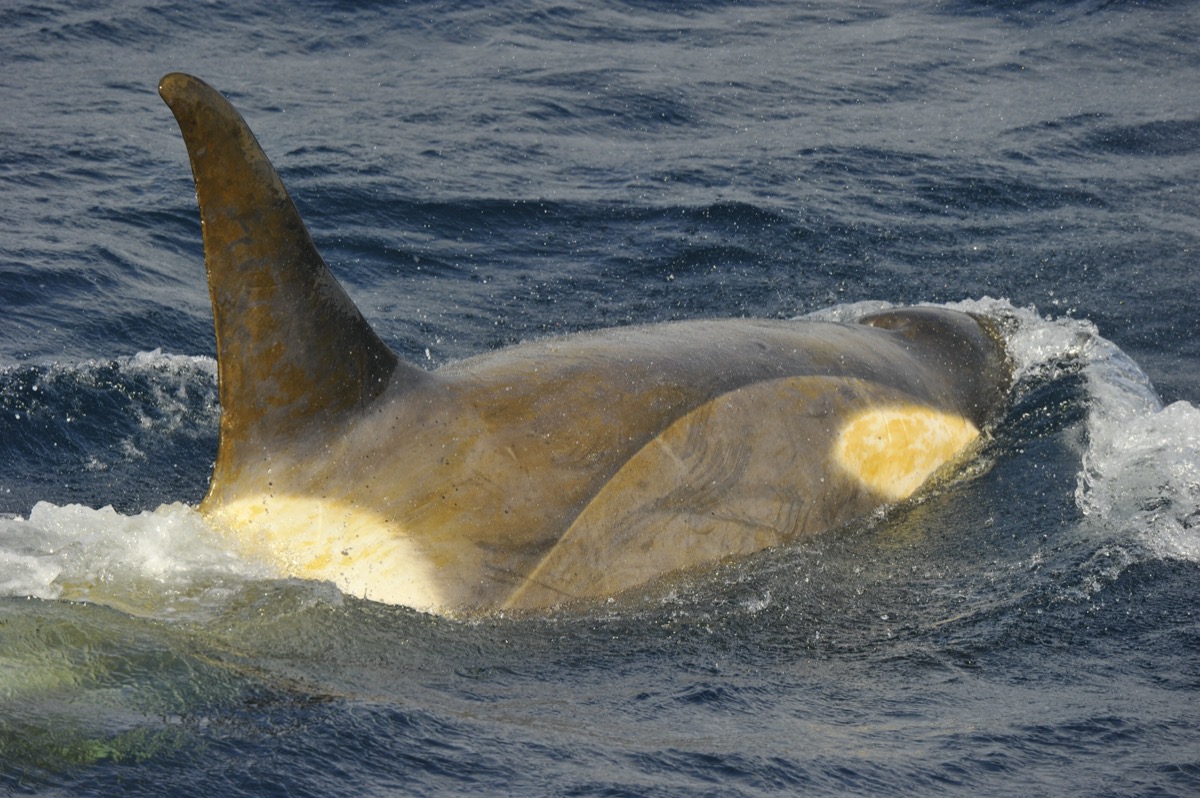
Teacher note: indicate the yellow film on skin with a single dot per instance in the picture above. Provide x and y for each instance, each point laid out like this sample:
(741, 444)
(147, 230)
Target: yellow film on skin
(893, 450)
(323, 539)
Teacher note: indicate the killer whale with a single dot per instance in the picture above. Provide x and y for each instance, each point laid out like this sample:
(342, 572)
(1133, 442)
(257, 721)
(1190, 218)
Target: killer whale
(557, 470)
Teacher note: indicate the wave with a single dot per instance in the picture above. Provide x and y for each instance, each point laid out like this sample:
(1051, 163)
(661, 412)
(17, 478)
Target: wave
(1139, 477)
(133, 431)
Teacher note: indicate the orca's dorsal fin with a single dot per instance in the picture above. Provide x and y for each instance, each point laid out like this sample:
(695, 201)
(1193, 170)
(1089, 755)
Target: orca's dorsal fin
(291, 346)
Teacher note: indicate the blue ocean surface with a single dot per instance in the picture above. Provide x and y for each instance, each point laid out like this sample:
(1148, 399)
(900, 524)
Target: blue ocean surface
(483, 173)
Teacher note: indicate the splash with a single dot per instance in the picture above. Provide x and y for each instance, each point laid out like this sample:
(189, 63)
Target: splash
(1141, 472)
(1139, 480)
(166, 562)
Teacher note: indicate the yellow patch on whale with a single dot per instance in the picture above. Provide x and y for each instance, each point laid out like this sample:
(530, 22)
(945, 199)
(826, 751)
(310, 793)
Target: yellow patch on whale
(893, 450)
(325, 539)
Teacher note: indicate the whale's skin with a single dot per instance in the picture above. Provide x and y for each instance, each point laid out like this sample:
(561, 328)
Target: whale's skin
(558, 470)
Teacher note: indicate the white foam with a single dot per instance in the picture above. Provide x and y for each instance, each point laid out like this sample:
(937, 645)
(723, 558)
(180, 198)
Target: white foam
(179, 368)
(175, 374)
(161, 563)
(1140, 474)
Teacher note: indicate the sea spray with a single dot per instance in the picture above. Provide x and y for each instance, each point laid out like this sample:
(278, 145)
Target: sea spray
(167, 562)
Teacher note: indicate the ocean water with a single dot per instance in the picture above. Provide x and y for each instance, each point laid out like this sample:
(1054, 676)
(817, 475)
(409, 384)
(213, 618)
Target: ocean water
(483, 173)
